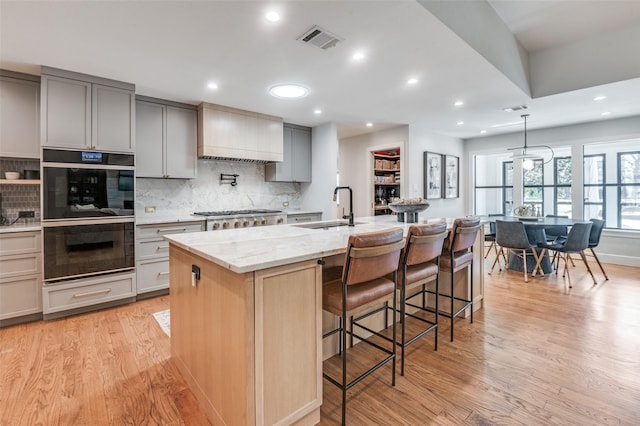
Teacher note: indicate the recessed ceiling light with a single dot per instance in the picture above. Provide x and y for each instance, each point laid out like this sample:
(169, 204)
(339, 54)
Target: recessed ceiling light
(482, 132)
(369, 124)
(599, 98)
(212, 86)
(412, 81)
(458, 103)
(460, 123)
(606, 113)
(317, 111)
(358, 56)
(272, 16)
(288, 91)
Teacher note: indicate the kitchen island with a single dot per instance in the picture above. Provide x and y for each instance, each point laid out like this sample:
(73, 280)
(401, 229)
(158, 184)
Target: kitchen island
(247, 320)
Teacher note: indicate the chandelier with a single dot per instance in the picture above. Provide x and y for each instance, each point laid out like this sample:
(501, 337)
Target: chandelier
(528, 158)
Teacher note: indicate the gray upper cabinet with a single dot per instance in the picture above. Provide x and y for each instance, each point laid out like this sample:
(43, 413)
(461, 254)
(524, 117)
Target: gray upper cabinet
(296, 165)
(166, 139)
(20, 115)
(85, 112)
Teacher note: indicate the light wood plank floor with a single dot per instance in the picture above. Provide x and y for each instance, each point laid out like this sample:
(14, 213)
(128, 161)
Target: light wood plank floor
(537, 354)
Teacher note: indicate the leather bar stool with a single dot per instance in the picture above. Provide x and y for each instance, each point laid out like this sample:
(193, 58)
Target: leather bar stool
(457, 254)
(363, 289)
(419, 265)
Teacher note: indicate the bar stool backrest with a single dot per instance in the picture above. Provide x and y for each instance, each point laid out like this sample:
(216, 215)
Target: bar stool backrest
(372, 255)
(463, 234)
(424, 243)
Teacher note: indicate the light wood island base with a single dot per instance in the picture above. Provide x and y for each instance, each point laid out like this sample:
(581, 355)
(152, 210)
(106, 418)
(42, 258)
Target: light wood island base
(243, 341)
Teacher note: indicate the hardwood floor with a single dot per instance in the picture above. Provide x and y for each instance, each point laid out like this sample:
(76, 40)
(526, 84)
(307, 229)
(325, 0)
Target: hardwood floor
(537, 354)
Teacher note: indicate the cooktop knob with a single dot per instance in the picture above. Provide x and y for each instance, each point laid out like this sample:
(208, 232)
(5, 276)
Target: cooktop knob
(216, 226)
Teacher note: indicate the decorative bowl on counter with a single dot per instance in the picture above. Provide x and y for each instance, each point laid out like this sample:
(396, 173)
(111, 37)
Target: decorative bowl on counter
(12, 175)
(408, 208)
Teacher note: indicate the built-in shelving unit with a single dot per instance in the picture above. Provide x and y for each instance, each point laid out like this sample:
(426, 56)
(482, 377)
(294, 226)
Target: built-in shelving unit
(386, 179)
(19, 182)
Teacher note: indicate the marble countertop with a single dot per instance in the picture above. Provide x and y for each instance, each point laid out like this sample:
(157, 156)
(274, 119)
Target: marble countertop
(251, 249)
(21, 227)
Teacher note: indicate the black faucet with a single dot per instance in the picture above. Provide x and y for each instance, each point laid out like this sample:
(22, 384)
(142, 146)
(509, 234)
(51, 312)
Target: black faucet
(350, 215)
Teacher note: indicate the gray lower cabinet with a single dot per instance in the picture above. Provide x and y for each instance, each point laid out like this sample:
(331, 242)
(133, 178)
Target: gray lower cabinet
(152, 253)
(20, 115)
(304, 217)
(296, 165)
(85, 294)
(166, 139)
(85, 112)
(20, 277)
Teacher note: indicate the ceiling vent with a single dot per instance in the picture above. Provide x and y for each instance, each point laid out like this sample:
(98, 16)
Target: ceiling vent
(515, 108)
(319, 37)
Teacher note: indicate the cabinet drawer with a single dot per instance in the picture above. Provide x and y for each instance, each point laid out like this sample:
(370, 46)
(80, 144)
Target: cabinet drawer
(20, 265)
(19, 243)
(150, 231)
(152, 275)
(21, 296)
(152, 249)
(86, 292)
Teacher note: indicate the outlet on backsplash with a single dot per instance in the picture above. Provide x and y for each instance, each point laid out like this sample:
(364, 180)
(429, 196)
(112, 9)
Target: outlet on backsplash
(27, 214)
(150, 209)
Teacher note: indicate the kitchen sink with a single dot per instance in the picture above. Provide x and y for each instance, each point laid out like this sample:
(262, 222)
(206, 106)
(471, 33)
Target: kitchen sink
(325, 225)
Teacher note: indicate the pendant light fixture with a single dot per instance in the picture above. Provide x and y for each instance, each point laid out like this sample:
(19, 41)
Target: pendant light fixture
(528, 158)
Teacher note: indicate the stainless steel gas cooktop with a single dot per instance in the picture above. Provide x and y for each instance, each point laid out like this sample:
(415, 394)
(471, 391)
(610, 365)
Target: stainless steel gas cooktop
(236, 212)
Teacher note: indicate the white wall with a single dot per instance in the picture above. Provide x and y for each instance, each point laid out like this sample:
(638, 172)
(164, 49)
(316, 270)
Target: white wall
(318, 195)
(421, 140)
(616, 246)
(356, 166)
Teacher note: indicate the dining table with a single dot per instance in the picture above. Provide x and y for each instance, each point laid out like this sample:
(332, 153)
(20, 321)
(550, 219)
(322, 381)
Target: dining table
(534, 227)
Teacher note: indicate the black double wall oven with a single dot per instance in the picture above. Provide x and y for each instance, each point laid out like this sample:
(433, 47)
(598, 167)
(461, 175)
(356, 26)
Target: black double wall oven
(88, 213)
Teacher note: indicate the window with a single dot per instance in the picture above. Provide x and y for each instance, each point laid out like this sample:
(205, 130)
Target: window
(533, 187)
(562, 186)
(493, 184)
(594, 193)
(612, 183)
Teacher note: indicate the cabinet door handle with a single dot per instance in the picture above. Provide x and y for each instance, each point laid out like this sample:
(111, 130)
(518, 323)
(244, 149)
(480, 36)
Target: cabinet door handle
(170, 230)
(158, 248)
(93, 293)
(163, 273)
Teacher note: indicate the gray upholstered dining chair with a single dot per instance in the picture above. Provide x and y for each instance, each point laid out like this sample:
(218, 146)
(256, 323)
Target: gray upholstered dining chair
(554, 232)
(577, 242)
(594, 240)
(512, 236)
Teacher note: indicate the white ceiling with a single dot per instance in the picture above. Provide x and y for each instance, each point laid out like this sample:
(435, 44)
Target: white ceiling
(172, 49)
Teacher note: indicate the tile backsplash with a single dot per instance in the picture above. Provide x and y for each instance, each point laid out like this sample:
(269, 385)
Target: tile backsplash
(16, 198)
(207, 192)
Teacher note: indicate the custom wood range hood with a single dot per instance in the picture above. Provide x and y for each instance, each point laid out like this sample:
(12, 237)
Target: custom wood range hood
(232, 134)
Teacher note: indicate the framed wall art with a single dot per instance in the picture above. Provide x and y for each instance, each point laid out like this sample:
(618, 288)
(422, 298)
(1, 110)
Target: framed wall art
(432, 175)
(450, 177)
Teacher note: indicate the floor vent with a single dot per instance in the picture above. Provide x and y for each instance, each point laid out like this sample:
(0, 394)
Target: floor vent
(319, 37)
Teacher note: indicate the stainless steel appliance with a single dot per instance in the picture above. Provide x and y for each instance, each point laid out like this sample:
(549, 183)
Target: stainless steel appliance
(229, 219)
(88, 214)
(82, 184)
(87, 247)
